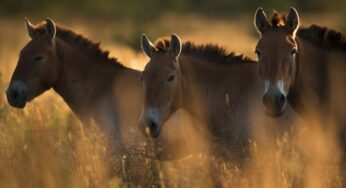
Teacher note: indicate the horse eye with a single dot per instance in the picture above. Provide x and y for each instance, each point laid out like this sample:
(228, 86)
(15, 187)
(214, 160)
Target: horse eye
(38, 58)
(170, 78)
(141, 77)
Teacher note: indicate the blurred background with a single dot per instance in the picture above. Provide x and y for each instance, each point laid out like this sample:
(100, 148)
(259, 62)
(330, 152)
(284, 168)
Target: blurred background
(42, 145)
(127, 19)
(151, 9)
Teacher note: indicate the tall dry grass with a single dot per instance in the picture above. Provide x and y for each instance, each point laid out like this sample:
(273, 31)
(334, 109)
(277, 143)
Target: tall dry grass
(44, 145)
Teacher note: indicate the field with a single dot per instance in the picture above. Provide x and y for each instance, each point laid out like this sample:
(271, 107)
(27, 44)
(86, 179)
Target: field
(44, 145)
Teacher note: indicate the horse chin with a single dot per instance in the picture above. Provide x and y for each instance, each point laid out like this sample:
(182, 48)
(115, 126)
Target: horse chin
(19, 105)
(156, 134)
(275, 114)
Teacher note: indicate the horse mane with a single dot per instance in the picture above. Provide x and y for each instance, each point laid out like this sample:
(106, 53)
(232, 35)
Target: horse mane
(322, 36)
(92, 49)
(211, 52)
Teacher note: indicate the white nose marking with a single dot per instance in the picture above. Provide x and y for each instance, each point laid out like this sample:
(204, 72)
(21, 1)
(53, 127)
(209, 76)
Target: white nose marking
(281, 86)
(266, 86)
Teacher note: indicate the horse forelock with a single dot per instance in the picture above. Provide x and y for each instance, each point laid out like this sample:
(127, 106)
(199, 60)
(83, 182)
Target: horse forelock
(162, 44)
(278, 20)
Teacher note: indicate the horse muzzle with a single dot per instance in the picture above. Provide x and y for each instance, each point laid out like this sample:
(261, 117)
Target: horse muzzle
(275, 103)
(17, 94)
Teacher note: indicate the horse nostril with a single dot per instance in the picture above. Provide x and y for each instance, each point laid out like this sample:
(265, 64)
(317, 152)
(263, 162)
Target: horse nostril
(152, 128)
(152, 125)
(14, 94)
(281, 100)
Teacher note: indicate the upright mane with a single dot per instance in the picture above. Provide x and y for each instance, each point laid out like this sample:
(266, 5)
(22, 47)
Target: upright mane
(315, 34)
(323, 36)
(91, 48)
(210, 52)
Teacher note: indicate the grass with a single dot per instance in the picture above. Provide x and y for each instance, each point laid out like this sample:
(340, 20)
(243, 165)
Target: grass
(44, 145)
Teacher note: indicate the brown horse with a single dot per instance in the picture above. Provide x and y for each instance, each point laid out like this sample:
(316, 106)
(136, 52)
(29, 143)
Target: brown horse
(217, 88)
(97, 88)
(305, 66)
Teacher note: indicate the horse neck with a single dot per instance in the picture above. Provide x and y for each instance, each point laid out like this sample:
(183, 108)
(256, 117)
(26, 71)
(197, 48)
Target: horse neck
(101, 93)
(82, 82)
(316, 66)
(216, 87)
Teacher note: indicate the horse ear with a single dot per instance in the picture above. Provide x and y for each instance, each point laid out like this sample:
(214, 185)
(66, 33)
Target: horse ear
(292, 22)
(29, 28)
(147, 46)
(175, 46)
(261, 21)
(50, 29)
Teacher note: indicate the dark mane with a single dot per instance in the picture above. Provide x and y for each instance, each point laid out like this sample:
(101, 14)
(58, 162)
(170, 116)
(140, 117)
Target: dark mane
(210, 52)
(323, 36)
(91, 48)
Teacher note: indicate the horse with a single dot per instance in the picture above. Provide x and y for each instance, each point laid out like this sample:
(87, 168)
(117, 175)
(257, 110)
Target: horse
(304, 66)
(215, 87)
(99, 89)
(96, 87)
